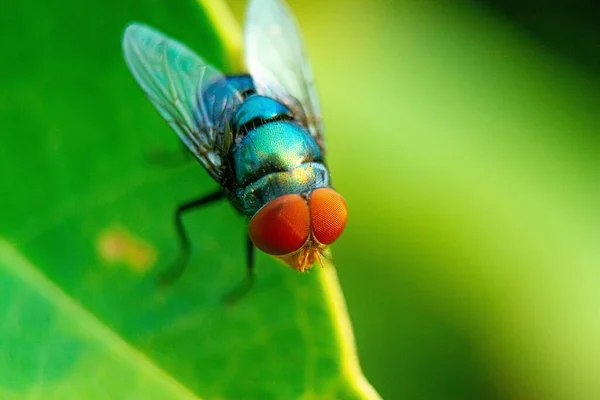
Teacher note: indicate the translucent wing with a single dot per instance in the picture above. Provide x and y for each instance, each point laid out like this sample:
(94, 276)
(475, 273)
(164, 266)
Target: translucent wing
(277, 61)
(178, 82)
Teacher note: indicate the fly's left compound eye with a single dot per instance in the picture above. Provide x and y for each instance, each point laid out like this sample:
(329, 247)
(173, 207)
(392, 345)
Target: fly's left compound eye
(328, 214)
(282, 226)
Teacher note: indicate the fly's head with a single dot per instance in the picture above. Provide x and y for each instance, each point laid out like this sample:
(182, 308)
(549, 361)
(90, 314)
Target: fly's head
(297, 229)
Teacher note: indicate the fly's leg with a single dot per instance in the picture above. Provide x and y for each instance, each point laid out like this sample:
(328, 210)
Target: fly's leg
(248, 282)
(170, 275)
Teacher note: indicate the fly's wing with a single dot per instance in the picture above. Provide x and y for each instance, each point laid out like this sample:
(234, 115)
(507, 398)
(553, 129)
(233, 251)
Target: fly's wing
(278, 63)
(177, 82)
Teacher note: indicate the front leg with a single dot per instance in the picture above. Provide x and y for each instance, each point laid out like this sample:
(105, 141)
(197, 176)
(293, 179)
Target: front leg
(178, 267)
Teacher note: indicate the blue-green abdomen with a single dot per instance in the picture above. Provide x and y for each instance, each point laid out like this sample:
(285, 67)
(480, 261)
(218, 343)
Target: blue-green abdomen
(259, 108)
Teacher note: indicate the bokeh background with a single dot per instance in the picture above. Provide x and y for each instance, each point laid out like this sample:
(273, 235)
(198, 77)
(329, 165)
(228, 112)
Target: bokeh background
(464, 136)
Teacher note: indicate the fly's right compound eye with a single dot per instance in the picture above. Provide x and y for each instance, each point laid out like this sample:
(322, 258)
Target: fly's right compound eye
(282, 226)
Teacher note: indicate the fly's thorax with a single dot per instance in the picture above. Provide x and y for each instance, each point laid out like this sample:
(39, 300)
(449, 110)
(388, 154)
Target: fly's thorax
(273, 155)
(273, 147)
(303, 179)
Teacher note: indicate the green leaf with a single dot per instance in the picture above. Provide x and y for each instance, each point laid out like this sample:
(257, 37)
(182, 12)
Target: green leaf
(87, 221)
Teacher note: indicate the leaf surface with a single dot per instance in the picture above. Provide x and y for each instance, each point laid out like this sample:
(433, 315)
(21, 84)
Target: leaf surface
(87, 222)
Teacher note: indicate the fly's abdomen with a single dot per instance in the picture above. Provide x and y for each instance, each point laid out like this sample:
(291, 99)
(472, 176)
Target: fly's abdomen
(258, 110)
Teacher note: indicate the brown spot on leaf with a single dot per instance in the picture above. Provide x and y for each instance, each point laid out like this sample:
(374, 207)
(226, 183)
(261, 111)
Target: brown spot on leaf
(117, 246)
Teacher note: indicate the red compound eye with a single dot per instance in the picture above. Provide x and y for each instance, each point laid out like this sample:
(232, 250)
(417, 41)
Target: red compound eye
(328, 213)
(282, 226)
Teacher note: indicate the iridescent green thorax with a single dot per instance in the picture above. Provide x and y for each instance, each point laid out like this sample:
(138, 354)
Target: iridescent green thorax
(303, 179)
(274, 146)
(275, 156)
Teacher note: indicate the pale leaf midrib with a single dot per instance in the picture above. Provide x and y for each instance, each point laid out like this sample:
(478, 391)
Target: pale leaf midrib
(22, 268)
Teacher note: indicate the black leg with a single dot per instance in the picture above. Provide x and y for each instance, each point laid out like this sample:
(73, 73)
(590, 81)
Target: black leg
(249, 257)
(170, 275)
(246, 285)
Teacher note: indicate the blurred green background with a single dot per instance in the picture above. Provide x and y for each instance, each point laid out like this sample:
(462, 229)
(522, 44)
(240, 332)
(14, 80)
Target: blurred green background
(465, 138)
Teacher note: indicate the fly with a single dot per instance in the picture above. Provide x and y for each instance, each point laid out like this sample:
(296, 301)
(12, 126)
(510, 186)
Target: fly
(258, 135)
